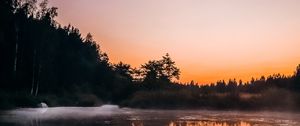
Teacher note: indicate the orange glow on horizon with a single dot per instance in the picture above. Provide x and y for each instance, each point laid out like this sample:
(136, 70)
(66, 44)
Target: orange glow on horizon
(209, 40)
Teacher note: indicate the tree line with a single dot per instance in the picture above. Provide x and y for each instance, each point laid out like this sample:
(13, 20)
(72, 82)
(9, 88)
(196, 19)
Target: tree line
(42, 61)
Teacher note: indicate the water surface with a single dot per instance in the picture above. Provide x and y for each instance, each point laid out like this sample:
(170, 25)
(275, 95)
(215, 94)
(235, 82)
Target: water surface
(110, 115)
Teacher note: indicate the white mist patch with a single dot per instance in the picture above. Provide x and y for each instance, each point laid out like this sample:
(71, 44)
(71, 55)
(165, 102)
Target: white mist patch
(27, 114)
(113, 115)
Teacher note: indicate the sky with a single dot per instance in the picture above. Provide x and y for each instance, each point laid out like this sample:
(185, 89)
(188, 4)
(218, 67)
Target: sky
(209, 40)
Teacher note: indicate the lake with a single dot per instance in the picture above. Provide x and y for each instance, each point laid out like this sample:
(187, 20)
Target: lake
(111, 115)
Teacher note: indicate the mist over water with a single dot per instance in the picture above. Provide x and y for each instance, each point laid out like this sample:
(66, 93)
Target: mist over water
(112, 115)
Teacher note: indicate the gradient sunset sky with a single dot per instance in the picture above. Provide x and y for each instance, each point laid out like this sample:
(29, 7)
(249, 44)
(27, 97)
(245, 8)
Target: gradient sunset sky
(210, 40)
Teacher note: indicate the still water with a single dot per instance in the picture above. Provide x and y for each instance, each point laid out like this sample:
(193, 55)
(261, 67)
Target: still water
(110, 115)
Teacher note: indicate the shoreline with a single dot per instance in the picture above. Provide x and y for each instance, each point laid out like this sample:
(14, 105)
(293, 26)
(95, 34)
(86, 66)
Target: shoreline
(169, 108)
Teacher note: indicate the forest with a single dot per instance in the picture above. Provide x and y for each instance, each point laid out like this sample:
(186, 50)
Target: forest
(42, 61)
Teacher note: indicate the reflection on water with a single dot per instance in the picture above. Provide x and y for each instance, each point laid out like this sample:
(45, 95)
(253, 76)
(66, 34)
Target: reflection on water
(199, 123)
(208, 123)
(114, 116)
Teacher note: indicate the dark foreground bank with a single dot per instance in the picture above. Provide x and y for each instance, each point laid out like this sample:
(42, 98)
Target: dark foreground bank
(272, 99)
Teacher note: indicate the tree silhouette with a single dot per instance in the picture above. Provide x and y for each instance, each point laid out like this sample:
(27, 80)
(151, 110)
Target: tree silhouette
(44, 61)
(297, 79)
(123, 71)
(163, 69)
(169, 70)
(157, 73)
